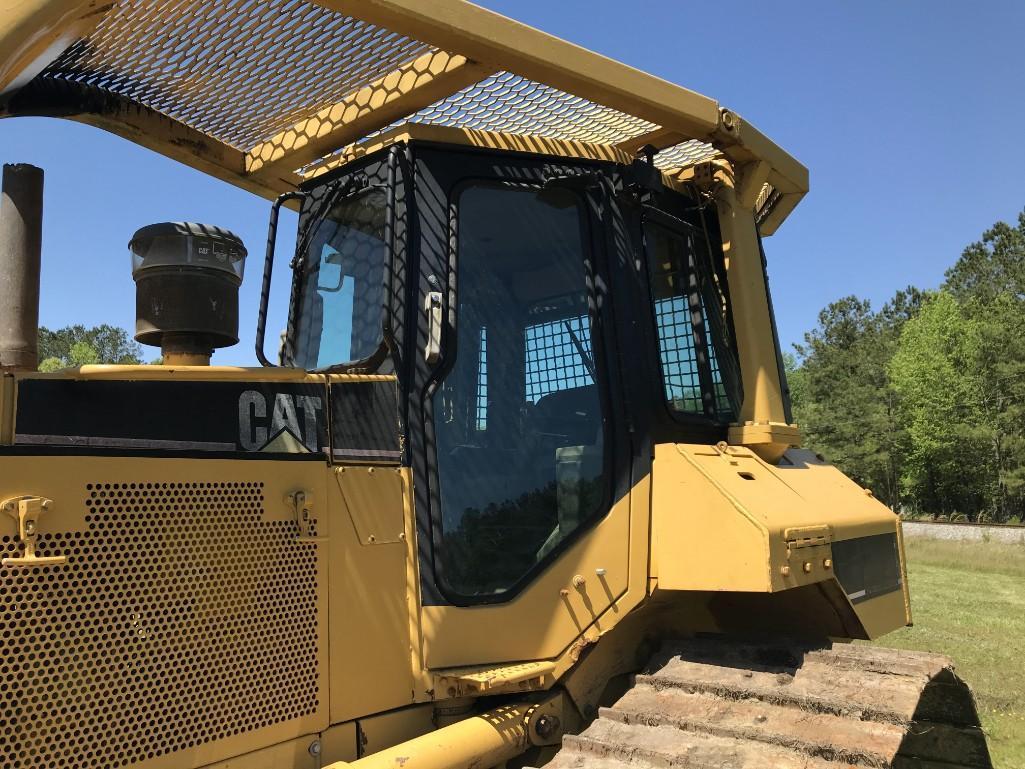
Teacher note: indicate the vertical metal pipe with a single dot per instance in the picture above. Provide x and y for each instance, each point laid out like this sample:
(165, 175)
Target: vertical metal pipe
(21, 240)
(763, 398)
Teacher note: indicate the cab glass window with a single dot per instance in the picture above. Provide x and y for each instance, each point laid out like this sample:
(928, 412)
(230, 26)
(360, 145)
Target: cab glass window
(691, 312)
(518, 418)
(339, 316)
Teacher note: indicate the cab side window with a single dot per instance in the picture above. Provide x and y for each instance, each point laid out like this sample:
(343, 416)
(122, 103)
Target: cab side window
(691, 314)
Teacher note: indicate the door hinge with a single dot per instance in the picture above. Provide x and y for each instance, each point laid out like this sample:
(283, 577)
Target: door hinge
(301, 504)
(26, 511)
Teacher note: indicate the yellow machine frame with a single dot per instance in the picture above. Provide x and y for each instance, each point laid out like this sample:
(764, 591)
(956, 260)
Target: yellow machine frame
(761, 531)
(466, 44)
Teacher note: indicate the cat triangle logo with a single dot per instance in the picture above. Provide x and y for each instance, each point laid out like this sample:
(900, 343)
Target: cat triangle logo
(285, 442)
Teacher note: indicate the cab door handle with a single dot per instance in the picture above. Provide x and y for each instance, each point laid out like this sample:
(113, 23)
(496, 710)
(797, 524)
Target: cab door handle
(433, 308)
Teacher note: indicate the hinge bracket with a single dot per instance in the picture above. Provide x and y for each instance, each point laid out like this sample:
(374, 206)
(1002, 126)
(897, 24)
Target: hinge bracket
(26, 511)
(301, 503)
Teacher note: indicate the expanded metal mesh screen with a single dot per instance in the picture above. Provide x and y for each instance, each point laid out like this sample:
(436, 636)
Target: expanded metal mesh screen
(679, 355)
(239, 71)
(513, 104)
(685, 154)
(508, 103)
(244, 71)
(181, 617)
(555, 353)
(721, 400)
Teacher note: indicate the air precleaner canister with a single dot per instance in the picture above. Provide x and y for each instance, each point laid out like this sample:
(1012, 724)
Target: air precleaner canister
(187, 277)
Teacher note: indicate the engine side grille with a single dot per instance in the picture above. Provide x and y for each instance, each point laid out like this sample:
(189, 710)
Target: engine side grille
(181, 617)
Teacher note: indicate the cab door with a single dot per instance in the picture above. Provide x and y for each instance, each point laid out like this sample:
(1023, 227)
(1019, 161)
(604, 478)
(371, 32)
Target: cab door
(523, 478)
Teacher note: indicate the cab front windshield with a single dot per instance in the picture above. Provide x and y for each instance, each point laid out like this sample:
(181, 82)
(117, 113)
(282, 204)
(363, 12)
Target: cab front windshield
(338, 319)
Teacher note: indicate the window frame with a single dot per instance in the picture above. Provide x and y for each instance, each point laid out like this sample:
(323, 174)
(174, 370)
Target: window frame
(709, 416)
(595, 249)
(349, 184)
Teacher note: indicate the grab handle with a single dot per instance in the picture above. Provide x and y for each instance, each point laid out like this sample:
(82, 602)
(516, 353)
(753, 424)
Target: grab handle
(433, 308)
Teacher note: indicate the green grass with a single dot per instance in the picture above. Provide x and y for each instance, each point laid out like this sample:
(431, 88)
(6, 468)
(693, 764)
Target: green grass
(968, 601)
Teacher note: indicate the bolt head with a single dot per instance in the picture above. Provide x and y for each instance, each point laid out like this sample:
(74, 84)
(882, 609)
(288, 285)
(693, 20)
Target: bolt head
(546, 726)
(785, 571)
(827, 563)
(807, 567)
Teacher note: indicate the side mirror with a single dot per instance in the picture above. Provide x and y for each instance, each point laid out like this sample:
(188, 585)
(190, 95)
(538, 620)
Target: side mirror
(330, 275)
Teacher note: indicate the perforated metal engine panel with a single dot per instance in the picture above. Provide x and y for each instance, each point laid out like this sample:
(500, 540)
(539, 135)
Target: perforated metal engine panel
(181, 617)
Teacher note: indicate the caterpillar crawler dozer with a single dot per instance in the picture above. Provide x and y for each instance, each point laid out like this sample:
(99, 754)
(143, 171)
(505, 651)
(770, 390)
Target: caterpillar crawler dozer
(519, 483)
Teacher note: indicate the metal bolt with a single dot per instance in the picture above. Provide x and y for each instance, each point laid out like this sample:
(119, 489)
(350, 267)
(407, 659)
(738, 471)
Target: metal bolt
(600, 572)
(807, 567)
(30, 527)
(46, 504)
(546, 726)
(785, 571)
(370, 471)
(314, 748)
(371, 539)
(827, 563)
(564, 592)
(579, 581)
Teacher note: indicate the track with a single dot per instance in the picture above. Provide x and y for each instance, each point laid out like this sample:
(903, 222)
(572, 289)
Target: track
(710, 704)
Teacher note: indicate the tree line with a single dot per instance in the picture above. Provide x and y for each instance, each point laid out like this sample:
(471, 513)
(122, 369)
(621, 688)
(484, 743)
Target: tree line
(74, 346)
(923, 400)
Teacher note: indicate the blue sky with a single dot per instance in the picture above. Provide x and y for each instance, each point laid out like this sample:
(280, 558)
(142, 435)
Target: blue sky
(908, 114)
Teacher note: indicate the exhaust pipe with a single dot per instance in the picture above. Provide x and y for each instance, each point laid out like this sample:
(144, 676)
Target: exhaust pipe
(21, 240)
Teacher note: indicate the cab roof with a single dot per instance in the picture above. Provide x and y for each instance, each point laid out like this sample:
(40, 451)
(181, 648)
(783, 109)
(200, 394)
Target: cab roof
(264, 93)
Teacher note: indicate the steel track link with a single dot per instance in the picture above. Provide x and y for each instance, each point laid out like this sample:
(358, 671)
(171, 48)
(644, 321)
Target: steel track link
(713, 704)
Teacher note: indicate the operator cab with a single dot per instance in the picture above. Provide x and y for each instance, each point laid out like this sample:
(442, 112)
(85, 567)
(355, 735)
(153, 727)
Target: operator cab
(547, 320)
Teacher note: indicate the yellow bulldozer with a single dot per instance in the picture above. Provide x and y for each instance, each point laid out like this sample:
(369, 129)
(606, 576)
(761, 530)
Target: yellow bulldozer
(519, 484)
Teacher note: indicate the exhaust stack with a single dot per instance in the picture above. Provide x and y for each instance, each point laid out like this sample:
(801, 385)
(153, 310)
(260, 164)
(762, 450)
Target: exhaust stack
(21, 240)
